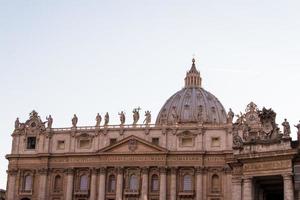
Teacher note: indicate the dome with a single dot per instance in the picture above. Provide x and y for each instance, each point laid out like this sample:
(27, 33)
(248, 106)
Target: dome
(192, 104)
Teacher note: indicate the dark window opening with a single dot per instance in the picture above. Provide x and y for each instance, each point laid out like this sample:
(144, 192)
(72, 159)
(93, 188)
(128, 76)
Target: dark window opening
(112, 141)
(155, 141)
(31, 142)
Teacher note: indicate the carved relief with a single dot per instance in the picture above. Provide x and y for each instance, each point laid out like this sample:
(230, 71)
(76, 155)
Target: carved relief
(132, 144)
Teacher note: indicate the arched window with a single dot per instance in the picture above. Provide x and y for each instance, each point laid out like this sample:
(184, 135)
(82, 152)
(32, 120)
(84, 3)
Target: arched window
(28, 183)
(57, 183)
(187, 182)
(84, 183)
(133, 182)
(154, 183)
(111, 183)
(215, 181)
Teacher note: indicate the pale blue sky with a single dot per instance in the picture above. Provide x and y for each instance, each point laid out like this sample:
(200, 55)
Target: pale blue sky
(63, 57)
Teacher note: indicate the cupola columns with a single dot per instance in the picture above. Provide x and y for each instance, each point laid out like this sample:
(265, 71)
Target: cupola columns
(193, 78)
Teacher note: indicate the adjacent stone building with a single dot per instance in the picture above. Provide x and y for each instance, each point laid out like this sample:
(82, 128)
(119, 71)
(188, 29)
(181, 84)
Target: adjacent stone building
(194, 151)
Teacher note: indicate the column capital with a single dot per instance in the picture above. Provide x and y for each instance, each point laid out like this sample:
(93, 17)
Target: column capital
(102, 170)
(199, 169)
(247, 179)
(163, 170)
(94, 170)
(43, 171)
(145, 170)
(69, 171)
(237, 180)
(12, 172)
(120, 170)
(173, 170)
(287, 176)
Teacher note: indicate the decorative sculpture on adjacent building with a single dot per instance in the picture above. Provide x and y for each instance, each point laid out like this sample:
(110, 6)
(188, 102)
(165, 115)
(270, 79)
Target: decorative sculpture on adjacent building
(49, 121)
(17, 124)
(98, 120)
(74, 121)
(106, 119)
(174, 116)
(230, 116)
(258, 125)
(136, 115)
(147, 119)
(236, 139)
(269, 126)
(286, 128)
(122, 117)
(298, 132)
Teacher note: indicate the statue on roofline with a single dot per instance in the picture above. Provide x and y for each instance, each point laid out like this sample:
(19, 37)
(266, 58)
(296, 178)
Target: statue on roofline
(106, 119)
(49, 121)
(17, 124)
(147, 119)
(230, 116)
(136, 115)
(122, 117)
(74, 120)
(98, 119)
(286, 128)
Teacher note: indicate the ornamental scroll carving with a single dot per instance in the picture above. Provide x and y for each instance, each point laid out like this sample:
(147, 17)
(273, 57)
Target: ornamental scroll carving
(34, 125)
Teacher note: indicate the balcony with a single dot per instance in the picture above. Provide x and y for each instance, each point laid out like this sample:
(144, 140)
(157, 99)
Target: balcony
(186, 193)
(132, 193)
(26, 192)
(82, 193)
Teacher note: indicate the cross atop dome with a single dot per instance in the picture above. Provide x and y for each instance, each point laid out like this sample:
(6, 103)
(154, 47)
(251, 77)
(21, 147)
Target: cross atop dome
(193, 78)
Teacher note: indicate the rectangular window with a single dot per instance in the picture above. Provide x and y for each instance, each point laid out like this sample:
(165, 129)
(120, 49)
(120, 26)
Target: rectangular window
(84, 143)
(60, 144)
(215, 142)
(155, 141)
(31, 142)
(112, 141)
(187, 142)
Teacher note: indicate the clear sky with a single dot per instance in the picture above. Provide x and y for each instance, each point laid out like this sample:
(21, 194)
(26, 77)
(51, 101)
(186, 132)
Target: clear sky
(63, 57)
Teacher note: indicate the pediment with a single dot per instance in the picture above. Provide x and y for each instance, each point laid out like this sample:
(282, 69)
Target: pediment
(133, 144)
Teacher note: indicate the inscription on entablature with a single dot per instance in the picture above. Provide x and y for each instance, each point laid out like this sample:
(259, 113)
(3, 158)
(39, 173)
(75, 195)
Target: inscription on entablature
(185, 158)
(271, 165)
(214, 160)
(111, 158)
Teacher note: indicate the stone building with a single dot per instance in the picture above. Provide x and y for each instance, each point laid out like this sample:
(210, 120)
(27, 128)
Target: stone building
(194, 151)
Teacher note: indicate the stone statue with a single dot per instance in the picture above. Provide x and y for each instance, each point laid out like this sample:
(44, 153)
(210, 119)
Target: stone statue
(230, 116)
(298, 132)
(122, 117)
(74, 120)
(147, 119)
(49, 121)
(17, 123)
(174, 116)
(136, 115)
(236, 139)
(98, 119)
(106, 119)
(286, 128)
(240, 119)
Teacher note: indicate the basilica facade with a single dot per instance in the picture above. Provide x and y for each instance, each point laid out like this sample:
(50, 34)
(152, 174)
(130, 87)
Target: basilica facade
(195, 150)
